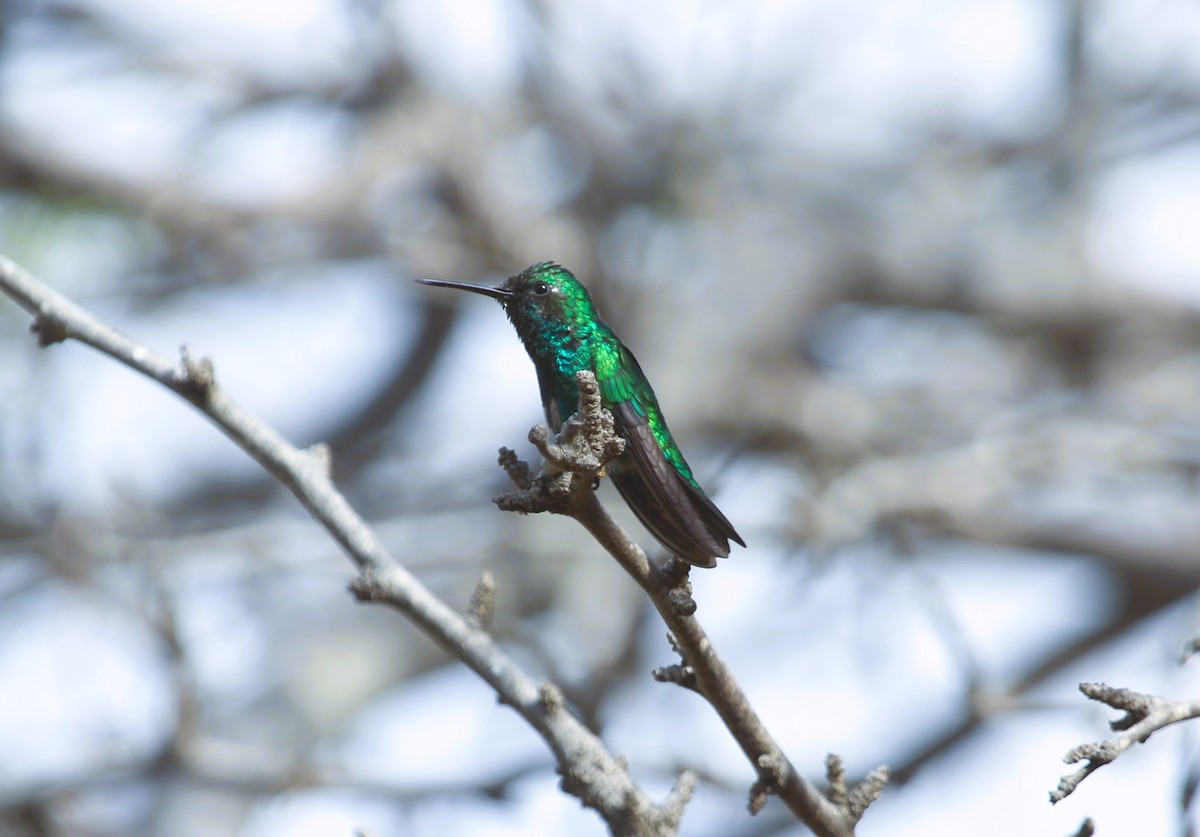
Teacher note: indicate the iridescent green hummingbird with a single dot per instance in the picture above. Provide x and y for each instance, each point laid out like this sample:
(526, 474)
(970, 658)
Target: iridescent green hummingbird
(555, 319)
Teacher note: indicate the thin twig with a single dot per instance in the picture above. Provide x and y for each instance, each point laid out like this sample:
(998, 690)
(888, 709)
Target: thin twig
(1144, 716)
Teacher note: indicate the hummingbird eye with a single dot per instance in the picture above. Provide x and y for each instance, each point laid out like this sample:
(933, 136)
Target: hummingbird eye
(541, 289)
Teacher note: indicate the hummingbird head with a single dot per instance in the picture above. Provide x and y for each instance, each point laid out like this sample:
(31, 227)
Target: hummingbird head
(544, 301)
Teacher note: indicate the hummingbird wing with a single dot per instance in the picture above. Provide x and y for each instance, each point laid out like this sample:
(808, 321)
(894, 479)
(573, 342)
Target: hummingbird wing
(669, 504)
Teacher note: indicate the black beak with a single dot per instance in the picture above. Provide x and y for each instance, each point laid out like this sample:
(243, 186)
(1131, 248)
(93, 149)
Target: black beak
(500, 293)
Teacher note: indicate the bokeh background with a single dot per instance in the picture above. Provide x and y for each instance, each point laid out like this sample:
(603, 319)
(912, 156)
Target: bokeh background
(917, 284)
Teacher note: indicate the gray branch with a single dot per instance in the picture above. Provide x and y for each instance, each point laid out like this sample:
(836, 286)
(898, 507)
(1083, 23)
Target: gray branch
(1144, 716)
(572, 461)
(588, 771)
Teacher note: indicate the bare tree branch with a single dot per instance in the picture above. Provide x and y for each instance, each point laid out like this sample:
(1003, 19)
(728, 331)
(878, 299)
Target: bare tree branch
(601, 781)
(572, 461)
(1144, 716)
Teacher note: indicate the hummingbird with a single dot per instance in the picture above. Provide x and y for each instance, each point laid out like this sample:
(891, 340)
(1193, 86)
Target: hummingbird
(557, 323)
